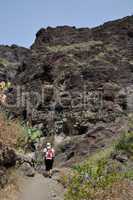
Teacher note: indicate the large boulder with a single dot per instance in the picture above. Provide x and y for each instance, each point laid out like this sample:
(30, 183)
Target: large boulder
(27, 170)
(26, 158)
(7, 159)
(7, 156)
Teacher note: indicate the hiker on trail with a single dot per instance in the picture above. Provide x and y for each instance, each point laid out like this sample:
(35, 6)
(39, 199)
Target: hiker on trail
(49, 154)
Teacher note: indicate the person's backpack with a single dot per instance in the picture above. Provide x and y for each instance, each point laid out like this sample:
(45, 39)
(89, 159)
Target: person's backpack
(49, 154)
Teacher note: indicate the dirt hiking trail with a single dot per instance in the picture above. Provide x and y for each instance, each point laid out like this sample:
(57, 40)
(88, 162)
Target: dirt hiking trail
(40, 188)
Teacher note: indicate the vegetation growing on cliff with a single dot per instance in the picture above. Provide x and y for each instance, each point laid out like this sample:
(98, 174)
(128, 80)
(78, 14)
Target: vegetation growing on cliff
(104, 174)
(10, 131)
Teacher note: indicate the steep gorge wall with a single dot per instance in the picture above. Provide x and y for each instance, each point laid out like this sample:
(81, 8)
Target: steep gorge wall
(74, 79)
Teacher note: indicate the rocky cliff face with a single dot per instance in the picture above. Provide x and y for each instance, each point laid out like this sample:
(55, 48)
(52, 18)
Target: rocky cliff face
(73, 80)
(11, 58)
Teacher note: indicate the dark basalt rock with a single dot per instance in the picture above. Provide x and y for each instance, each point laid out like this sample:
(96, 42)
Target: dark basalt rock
(75, 82)
(72, 76)
(7, 156)
(63, 35)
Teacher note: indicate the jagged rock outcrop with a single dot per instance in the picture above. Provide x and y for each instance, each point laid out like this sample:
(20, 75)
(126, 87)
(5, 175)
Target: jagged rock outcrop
(11, 58)
(27, 170)
(61, 35)
(73, 79)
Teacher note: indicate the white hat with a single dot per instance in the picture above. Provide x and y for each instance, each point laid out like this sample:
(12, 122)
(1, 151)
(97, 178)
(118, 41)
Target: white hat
(48, 145)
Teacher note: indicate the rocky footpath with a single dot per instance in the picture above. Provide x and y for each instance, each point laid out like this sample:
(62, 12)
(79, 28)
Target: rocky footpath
(73, 83)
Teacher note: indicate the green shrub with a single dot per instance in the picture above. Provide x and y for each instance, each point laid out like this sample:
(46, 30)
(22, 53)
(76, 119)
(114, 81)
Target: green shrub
(32, 133)
(94, 176)
(126, 143)
(3, 62)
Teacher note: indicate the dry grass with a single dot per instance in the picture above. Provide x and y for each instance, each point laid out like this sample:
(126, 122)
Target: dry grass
(9, 193)
(4, 62)
(11, 190)
(76, 46)
(10, 131)
(93, 181)
(64, 176)
(121, 190)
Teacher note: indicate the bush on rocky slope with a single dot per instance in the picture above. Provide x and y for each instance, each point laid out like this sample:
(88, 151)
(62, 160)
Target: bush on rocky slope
(103, 174)
(10, 131)
(14, 135)
(10, 134)
(12, 189)
(126, 143)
